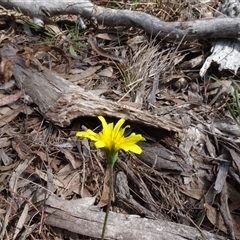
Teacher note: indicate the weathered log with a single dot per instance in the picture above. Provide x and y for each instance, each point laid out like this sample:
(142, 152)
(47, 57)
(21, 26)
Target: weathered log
(225, 52)
(88, 220)
(61, 101)
(205, 28)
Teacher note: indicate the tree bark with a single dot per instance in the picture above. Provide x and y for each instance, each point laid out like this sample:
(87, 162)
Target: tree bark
(88, 220)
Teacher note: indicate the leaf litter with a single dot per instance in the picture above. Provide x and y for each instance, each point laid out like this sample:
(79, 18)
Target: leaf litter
(188, 177)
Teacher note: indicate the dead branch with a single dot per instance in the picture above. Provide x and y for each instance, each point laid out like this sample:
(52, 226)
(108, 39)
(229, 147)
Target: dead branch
(205, 28)
(88, 220)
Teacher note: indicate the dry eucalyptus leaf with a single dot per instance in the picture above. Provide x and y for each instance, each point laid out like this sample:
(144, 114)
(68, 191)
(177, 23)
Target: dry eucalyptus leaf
(105, 193)
(194, 193)
(85, 74)
(107, 72)
(7, 114)
(5, 158)
(21, 220)
(8, 99)
(215, 218)
(4, 142)
(5, 69)
(69, 157)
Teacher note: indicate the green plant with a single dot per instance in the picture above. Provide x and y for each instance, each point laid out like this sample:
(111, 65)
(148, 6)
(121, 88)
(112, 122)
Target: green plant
(111, 139)
(234, 108)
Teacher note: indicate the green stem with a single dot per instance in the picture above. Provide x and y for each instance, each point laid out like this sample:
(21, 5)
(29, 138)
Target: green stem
(109, 201)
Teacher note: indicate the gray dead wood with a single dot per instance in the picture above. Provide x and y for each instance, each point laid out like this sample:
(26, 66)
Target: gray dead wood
(159, 158)
(88, 220)
(61, 101)
(206, 28)
(225, 52)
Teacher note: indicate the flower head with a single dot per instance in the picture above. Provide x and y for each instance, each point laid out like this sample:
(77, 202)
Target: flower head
(112, 139)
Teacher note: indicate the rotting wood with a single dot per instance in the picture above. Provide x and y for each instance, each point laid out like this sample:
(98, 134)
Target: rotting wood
(61, 101)
(225, 52)
(205, 28)
(88, 220)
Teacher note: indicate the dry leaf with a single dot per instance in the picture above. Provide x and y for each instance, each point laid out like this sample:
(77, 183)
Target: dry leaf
(71, 182)
(8, 168)
(234, 195)
(215, 217)
(8, 99)
(4, 142)
(44, 176)
(194, 193)
(21, 220)
(87, 73)
(13, 183)
(105, 193)
(5, 158)
(69, 157)
(7, 114)
(30, 55)
(54, 28)
(47, 159)
(107, 72)
(236, 158)
(107, 36)
(5, 69)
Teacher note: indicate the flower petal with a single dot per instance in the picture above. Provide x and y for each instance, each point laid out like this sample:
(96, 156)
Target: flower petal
(128, 143)
(88, 134)
(116, 131)
(133, 138)
(106, 127)
(100, 144)
(133, 148)
(112, 139)
(103, 121)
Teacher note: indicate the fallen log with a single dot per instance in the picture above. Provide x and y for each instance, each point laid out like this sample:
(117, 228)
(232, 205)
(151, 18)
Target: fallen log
(88, 220)
(206, 28)
(61, 101)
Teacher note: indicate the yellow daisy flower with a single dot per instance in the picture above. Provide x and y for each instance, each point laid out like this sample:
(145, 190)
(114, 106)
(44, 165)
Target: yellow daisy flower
(112, 139)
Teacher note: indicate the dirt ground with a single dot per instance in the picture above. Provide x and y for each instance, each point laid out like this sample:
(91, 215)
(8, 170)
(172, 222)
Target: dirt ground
(189, 170)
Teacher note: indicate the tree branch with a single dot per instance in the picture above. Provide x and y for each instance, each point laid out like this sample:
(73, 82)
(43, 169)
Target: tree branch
(205, 28)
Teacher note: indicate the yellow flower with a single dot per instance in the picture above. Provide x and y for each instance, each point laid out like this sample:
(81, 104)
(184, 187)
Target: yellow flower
(112, 139)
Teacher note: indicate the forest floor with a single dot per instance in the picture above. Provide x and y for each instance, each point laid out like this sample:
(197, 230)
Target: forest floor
(190, 177)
